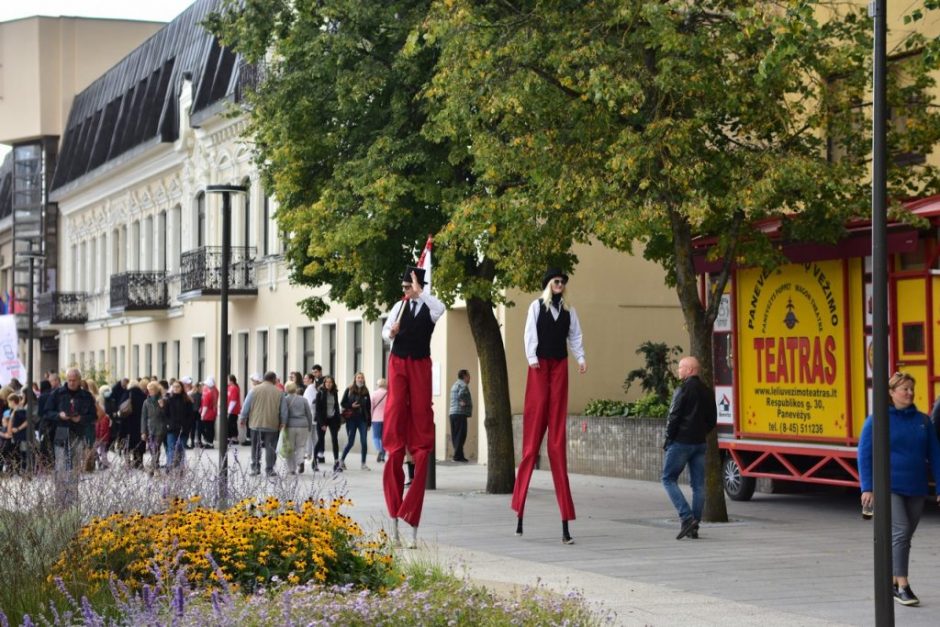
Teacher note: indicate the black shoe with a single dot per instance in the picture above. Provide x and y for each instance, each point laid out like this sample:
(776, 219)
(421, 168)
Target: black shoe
(687, 526)
(461, 459)
(321, 460)
(300, 468)
(694, 534)
(905, 596)
(245, 443)
(519, 526)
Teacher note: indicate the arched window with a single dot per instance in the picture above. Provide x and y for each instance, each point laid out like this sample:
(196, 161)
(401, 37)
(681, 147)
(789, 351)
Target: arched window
(200, 219)
(266, 226)
(246, 235)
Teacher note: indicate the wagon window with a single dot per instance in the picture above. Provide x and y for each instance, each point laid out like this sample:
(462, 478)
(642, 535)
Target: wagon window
(915, 259)
(913, 338)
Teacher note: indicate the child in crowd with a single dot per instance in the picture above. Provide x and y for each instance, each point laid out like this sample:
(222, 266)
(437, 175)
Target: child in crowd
(102, 429)
(13, 434)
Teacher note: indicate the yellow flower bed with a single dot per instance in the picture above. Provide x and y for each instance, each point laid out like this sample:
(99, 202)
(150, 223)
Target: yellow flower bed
(251, 543)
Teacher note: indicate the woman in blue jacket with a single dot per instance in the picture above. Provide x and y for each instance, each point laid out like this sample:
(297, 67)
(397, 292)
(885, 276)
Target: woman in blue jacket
(913, 444)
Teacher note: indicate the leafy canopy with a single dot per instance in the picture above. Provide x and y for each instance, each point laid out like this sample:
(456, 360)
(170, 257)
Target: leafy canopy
(339, 126)
(650, 120)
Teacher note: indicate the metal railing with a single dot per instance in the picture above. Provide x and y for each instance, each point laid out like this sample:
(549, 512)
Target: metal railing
(61, 308)
(139, 291)
(201, 270)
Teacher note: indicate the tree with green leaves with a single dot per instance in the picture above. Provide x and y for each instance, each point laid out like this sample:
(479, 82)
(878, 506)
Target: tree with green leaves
(338, 125)
(678, 126)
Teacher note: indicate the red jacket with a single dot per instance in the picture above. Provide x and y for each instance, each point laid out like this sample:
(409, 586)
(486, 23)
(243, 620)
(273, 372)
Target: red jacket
(103, 427)
(210, 402)
(234, 394)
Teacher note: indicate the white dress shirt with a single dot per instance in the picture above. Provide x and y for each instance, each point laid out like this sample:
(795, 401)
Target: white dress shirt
(531, 335)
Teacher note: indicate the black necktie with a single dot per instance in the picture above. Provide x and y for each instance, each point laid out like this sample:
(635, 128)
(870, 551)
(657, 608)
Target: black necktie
(414, 308)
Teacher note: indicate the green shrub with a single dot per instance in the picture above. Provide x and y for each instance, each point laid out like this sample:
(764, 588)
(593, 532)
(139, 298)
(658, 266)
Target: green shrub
(650, 406)
(656, 376)
(607, 407)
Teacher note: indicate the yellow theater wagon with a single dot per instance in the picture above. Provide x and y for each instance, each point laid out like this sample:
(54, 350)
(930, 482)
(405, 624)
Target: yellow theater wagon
(792, 351)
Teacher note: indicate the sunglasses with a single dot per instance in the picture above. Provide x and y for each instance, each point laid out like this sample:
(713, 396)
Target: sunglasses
(558, 281)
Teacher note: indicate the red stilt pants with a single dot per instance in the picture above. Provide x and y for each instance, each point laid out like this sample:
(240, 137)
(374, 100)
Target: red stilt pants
(546, 407)
(409, 425)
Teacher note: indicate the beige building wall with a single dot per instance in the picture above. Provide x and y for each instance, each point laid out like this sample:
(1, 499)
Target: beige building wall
(111, 224)
(45, 61)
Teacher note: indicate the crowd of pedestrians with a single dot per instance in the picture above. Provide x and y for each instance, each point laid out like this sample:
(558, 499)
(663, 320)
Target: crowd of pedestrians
(79, 425)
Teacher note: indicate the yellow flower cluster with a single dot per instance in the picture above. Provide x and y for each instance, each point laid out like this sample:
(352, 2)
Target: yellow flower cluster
(251, 543)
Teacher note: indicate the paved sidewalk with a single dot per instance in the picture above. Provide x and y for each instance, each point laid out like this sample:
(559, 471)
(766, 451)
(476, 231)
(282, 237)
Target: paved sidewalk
(801, 559)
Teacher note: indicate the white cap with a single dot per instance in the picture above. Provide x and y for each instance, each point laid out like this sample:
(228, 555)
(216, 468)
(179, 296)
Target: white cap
(187, 380)
(255, 377)
(210, 382)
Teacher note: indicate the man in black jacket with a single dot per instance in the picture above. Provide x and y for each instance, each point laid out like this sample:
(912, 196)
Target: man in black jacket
(75, 414)
(692, 415)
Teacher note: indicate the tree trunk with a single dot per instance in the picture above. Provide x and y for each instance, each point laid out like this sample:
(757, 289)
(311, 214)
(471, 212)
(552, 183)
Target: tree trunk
(700, 342)
(500, 469)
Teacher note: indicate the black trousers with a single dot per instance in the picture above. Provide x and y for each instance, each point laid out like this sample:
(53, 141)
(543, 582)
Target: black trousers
(207, 427)
(458, 434)
(333, 428)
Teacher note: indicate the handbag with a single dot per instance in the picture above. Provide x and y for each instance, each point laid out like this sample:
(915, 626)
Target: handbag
(346, 414)
(126, 408)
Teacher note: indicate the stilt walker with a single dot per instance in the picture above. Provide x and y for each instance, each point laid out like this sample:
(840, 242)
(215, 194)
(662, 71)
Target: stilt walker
(409, 419)
(550, 325)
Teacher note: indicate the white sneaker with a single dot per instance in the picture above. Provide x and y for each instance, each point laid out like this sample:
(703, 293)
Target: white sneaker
(364, 467)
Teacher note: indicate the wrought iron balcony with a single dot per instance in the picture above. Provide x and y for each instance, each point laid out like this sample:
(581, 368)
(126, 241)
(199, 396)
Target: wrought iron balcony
(61, 309)
(201, 272)
(138, 291)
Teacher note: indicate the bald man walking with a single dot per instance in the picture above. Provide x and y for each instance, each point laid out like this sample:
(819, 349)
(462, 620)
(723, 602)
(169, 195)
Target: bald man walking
(692, 415)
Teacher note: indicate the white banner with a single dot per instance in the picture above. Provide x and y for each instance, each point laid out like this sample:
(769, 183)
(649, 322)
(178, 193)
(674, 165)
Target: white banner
(10, 364)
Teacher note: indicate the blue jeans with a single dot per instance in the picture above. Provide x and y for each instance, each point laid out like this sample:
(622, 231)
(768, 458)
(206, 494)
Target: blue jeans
(352, 426)
(677, 456)
(377, 436)
(173, 456)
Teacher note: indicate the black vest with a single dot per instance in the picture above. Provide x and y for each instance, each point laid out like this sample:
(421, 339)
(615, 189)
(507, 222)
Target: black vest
(414, 335)
(552, 334)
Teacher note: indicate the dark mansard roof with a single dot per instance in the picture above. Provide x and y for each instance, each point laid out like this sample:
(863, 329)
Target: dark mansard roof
(136, 102)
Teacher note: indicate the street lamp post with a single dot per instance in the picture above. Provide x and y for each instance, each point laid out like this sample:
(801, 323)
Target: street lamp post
(221, 422)
(30, 332)
(881, 455)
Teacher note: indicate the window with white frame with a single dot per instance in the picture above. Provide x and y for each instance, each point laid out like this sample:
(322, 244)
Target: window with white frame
(148, 360)
(262, 352)
(175, 229)
(161, 359)
(282, 353)
(308, 335)
(177, 358)
(200, 221)
(243, 340)
(329, 348)
(199, 358)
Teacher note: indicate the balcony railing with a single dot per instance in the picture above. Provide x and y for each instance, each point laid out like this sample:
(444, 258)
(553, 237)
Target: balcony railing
(201, 272)
(138, 291)
(61, 308)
